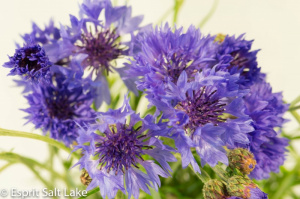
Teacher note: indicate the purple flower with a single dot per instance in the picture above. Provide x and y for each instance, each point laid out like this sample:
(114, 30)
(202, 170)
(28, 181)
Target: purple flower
(207, 113)
(266, 110)
(162, 54)
(30, 62)
(256, 193)
(113, 148)
(49, 34)
(235, 56)
(102, 41)
(56, 107)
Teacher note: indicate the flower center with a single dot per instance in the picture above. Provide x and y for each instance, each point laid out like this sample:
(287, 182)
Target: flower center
(238, 60)
(59, 107)
(120, 148)
(28, 59)
(202, 108)
(101, 49)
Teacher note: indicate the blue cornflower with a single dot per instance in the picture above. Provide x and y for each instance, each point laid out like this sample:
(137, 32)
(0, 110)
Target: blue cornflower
(163, 53)
(207, 113)
(100, 40)
(113, 148)
(30, 62)
(56, 107)
(235, 56)
(266, 110)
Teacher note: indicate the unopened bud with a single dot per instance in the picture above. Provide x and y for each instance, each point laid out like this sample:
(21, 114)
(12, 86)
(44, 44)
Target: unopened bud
(85, 178)
(220, 38)
(240, 186)
(214, 189)
(241, 159)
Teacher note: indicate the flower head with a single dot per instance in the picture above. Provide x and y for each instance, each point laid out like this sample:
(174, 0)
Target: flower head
(113, 149)
(165, 53)
(235, 56)
(207, 113)
(103, 41)
(30, 62)
(56, 107)
(266, 110)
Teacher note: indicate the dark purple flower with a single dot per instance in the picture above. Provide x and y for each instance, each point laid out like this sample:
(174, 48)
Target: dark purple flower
(59, 106)
(30, 62)
(266, 110)
(113, 148)
(235, 56)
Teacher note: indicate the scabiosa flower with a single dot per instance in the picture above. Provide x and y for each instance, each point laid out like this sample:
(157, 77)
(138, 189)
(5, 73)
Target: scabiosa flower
(101, 40)
(56, 107)
(207, 113)
(113, 149)
(30, 62)
(266, 110)
(164, 53)
(236, 57)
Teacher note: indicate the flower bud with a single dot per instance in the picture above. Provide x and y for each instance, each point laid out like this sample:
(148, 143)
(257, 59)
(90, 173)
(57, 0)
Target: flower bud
(214, 189)
(240, 186)
(219, 38)
(85, 178)
(241, 159)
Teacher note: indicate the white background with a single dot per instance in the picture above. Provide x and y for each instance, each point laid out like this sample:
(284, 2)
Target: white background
(273, 24)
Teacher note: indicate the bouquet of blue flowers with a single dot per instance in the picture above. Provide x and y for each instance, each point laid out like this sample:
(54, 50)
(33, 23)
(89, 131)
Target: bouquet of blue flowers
(133, 104)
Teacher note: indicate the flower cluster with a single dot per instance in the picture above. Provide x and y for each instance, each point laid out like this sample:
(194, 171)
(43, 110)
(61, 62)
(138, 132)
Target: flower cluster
(208, 91)
(213, 95)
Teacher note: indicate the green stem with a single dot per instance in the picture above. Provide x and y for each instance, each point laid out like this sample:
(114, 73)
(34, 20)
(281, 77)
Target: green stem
(6, 166)
(294, 108)
(6, 132)
(296, 116)
(165, 15)
(203, 176)
(14, 158)
(220, 172)
(27, 162)
(286, 183)
(177, 5)
(295, 101)
(209, 14)
(91, 192)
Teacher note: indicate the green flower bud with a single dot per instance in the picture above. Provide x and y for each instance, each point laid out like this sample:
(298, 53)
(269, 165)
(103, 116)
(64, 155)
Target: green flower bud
(214, 189)
(85, 178)
(240, 186)
(241, 159)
